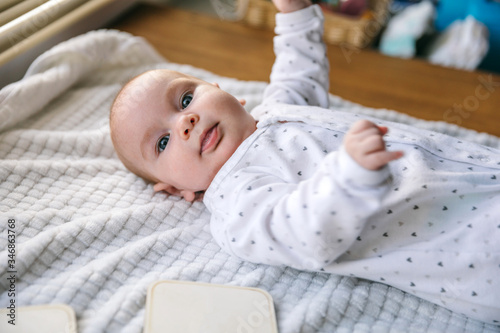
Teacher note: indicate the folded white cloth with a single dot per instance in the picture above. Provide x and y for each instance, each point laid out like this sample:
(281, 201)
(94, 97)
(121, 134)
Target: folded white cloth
(462, 45)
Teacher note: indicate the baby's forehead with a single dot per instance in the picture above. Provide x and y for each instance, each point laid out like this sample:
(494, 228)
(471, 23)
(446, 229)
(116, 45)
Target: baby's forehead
(146, 83)
(152, 78)
(141, 87)
(162, 75)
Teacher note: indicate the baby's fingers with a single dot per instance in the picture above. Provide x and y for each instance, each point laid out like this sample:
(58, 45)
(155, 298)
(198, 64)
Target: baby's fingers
(379, 159)
(383, 130)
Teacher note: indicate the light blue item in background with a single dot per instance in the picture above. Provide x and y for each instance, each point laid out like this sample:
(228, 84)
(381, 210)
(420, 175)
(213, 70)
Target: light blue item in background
(400, 37)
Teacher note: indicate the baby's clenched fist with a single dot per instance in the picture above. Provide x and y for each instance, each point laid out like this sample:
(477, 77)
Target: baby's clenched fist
(365, 144)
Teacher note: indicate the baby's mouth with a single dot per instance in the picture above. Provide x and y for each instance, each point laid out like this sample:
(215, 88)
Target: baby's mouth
(209, 138)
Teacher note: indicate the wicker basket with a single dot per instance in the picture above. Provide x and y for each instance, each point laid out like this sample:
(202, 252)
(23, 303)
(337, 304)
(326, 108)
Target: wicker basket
(339, 29)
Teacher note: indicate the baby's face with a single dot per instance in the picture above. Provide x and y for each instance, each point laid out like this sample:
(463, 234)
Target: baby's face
(178, 130)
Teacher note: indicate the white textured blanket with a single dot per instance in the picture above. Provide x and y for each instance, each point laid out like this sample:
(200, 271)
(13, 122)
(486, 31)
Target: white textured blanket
(90, 234)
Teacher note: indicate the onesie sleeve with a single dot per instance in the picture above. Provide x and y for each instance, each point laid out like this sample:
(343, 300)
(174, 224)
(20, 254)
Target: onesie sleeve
(300, 71)
(307, 225)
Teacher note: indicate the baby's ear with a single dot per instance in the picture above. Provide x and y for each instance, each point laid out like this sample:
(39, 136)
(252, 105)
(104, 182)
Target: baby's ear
(167, 188)
(186, 194)
(215, 84)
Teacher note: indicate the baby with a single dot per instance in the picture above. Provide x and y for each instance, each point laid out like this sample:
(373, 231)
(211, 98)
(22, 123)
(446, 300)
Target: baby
(294, 183)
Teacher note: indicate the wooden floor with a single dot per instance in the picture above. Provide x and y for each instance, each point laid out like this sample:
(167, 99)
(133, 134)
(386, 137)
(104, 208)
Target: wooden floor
(414, 87)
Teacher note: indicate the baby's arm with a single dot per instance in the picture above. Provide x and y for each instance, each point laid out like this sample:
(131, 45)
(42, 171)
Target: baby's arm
(364, 143)
(300, 71)
(306, 225)
(311, 223)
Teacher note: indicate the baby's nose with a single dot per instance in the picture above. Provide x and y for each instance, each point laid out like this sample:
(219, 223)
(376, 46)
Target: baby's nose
(186, 125)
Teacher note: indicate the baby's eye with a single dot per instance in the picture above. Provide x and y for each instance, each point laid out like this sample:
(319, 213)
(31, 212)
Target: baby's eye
(186, 100)
(162, 143)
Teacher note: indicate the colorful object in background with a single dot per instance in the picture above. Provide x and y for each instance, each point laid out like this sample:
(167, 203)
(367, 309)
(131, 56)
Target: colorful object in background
(486, 12)
(348, 7)
(401, 35)
(398, 5)
(353, 7)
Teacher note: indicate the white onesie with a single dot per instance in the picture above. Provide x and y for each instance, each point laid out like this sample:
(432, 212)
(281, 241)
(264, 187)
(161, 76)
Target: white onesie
(428, 223)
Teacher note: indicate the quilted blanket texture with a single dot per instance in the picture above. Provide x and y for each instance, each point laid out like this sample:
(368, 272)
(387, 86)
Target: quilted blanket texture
(90, 234)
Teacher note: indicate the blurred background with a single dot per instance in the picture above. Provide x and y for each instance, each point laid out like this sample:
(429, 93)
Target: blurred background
(462, 34)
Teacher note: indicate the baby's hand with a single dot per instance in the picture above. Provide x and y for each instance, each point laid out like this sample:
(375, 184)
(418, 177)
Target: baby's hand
(288, 6)
(364, 143)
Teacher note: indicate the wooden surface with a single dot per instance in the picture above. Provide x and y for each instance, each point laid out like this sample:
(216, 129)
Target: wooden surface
(414, 87)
